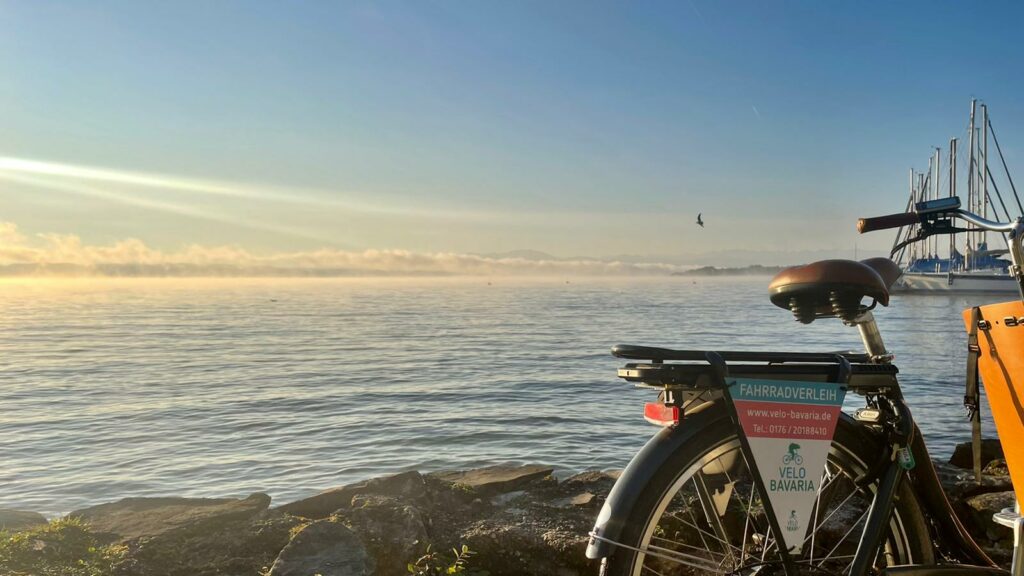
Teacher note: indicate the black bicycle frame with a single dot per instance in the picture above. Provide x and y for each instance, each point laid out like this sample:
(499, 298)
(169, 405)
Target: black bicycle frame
(875, 381)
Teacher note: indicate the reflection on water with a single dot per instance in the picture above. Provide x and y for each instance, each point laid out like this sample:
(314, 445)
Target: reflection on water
(117, 388)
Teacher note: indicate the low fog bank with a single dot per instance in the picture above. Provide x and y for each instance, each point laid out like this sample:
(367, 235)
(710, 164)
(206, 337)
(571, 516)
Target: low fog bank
(58, 255)
(188, 270)
(52, 255)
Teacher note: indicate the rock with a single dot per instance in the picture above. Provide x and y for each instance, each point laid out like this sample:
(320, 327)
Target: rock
(585, 490)
(996, 467)
(498, 479)
(582, 499)
(604, 480)
(963, 454)
(16, 520)
(325, 547)
(960, 484)
(132, 518)
(503, 499)
(393, 531)
(229, 548)
(516, 519)
(982, 507)
(974, 503)
(406, 484)
(56, 549)
(191, 536)
(1001, 553)
(528, 545)
(544, 531)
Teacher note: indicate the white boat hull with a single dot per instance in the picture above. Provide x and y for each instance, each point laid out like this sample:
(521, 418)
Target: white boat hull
(956, 282)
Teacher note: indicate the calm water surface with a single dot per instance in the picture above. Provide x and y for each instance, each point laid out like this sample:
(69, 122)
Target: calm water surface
(225, 387)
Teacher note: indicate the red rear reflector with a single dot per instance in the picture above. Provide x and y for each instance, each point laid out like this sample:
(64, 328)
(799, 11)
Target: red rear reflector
(660, 415)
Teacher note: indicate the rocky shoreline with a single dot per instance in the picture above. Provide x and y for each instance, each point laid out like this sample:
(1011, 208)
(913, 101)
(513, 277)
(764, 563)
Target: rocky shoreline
(514, 519)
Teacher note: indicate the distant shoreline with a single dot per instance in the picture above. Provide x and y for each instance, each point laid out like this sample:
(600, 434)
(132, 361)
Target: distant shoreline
(752, 270)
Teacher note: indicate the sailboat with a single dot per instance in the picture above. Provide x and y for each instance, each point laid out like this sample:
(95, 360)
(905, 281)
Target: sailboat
(969, 263)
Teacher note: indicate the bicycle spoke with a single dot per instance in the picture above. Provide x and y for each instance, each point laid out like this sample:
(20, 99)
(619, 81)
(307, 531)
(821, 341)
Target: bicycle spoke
(673, 542)
(701, 531)
(713, 521)
(845, 536)
(680, 554)
(746, 525)
(831, 514)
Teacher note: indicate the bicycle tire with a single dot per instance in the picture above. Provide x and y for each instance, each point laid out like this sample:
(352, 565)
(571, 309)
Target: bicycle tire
(907, 541)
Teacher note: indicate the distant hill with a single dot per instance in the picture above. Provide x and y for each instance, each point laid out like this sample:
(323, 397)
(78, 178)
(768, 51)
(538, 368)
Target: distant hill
(535, 255)
(752, 270)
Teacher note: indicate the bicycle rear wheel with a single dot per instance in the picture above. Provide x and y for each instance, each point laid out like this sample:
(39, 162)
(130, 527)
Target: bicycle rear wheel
(701, 514)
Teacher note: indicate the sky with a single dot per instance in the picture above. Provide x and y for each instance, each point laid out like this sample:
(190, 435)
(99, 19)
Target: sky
(577, 129)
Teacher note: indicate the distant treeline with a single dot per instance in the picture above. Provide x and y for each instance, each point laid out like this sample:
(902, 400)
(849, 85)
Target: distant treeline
(752, 270)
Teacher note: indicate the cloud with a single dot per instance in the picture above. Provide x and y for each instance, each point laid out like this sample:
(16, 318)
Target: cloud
(68, 255)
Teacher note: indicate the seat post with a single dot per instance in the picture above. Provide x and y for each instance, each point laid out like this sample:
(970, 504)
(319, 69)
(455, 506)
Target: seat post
(872, 338)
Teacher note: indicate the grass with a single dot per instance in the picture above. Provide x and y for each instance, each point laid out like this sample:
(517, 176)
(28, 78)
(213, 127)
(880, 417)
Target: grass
(61, 548)
(434, 564)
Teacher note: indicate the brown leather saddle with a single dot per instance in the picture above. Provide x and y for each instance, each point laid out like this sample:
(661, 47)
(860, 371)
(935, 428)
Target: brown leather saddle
(833, 287)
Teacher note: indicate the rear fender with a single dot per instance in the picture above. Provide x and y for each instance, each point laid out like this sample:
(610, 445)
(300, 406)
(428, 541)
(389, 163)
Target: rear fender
(638, 474)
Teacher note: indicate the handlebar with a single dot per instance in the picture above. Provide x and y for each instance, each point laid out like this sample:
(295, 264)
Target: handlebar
(990, 225)
(934, 217)
(865, 225)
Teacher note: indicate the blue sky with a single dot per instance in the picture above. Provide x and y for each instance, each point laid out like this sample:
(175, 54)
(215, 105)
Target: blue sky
(575, 128)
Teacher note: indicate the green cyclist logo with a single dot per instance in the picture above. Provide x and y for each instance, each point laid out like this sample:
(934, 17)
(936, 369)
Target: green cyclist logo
(793, 456)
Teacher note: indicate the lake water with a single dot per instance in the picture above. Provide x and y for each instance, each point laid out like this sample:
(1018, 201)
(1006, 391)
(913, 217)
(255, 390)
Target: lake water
(226, 387)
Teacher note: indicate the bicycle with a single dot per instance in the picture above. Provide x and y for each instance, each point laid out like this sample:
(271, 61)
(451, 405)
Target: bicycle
(716, 491)
(792, 456)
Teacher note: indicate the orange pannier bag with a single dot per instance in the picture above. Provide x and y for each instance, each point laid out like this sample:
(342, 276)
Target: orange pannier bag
(1001, 367)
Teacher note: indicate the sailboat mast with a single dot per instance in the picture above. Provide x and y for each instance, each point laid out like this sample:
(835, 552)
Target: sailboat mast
(914, 201)
(970, 183)
(935, 194)
(984, 168)
(923, 189)
(926, 194)
(952, 192)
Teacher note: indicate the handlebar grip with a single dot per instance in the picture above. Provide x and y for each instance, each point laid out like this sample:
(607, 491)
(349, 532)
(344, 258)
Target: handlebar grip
(885, 222)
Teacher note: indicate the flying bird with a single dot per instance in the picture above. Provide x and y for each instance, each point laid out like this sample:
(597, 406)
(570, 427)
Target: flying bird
(700, 222)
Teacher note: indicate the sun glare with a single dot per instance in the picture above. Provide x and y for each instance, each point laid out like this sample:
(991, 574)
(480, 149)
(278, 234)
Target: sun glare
(337, 199)
(79, 189)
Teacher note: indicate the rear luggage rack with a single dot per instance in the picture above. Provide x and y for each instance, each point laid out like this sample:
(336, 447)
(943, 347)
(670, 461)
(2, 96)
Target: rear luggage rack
(631, 352)
(694, 372)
